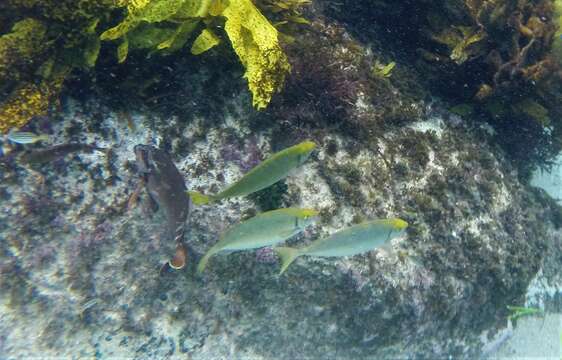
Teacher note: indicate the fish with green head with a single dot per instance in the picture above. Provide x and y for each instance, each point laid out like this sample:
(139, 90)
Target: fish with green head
(267, 173)
(353, 240)
(265, 229)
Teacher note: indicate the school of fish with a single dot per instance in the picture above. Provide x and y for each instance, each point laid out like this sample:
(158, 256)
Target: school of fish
(167, 191)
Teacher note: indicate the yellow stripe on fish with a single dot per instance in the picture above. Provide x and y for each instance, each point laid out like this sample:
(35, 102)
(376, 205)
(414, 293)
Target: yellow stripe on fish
(267, 173)
(353, 240)
(265, 229)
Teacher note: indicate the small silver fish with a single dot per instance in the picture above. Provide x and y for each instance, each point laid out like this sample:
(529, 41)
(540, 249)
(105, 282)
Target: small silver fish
(86, 306)
(24, 137)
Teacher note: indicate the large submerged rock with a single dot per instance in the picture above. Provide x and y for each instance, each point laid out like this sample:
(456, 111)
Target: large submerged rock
(80, 269)
(80, 272)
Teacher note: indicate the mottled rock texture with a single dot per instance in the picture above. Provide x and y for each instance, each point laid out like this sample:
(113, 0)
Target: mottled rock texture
(80, 270)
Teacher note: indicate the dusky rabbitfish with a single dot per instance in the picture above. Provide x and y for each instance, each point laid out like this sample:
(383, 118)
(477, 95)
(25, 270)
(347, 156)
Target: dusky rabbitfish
(166, 188)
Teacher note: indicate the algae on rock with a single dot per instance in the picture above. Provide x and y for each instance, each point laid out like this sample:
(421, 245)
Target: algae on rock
(47, 40)
(255, 42)
(488, 54)
(24, 43)
(26, 101)
(253, 38)
(50, 38)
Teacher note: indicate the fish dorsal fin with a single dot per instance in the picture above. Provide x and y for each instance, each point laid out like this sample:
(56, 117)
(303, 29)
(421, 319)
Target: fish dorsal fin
(289, 233)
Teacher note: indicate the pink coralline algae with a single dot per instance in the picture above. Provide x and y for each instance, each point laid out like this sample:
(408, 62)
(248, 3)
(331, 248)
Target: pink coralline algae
(266, 255)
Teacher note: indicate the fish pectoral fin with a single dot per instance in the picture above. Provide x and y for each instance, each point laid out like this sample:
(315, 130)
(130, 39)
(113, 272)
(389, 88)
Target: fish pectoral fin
(43, 137)
(287, 255)
(388, 237)
(205, 259)
(152, 203)
(289, 233)
(133, 198)
(386, 247)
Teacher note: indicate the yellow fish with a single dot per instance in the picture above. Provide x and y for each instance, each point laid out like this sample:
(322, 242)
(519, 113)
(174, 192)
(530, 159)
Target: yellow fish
(353, 240)
(267, 173)
(265, 229)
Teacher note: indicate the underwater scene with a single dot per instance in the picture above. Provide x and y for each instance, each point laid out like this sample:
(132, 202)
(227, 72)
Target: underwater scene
(280, 179)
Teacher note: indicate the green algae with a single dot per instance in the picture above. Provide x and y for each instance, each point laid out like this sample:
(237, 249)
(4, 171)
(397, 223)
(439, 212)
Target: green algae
(253, 38)
(255, 42)
(47, 40)
(271, 197)
(205, 41)
(534, 110)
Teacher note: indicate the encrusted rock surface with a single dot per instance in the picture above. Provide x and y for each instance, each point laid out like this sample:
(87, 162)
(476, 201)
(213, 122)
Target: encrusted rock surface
(80, 270)
(476, 239)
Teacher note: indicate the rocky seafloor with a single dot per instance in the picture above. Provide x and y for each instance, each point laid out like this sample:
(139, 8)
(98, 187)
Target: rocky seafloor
(79, 267)
(80, 271)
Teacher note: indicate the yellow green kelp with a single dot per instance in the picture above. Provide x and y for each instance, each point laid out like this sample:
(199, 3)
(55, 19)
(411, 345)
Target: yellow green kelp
(464, 42)
(381, 70)
(168, 25)
(42, 41)
(24, 42)
(206, 40)
(255, 41)
(285, 15)
(152, 11)
(27, 101)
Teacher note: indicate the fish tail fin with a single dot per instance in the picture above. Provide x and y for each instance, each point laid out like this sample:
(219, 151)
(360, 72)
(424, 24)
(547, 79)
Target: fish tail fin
(386, 247)
(43, 137)
(287, 255)
(198, 198)
(204, 260)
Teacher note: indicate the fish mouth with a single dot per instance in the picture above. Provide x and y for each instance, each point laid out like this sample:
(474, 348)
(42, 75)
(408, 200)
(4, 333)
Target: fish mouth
(399, 224)
(308, 146)
(309, 213)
